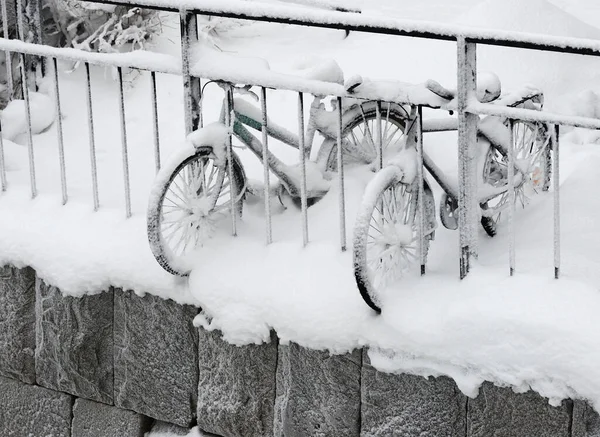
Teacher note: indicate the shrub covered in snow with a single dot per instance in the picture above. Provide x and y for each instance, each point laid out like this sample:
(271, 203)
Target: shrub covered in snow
(97, 27)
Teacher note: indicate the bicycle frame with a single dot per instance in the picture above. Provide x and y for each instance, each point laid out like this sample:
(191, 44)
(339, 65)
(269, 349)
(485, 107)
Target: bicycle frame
(245, 114)
(485, 193)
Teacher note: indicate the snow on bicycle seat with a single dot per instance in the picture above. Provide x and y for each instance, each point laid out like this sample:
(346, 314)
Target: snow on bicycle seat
(489, 88)
(322, 69)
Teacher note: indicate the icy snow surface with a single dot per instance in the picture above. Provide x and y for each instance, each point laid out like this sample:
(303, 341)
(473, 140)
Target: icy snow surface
(525, 331)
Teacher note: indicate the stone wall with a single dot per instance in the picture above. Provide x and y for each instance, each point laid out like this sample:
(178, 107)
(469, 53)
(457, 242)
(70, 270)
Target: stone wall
(116, 364)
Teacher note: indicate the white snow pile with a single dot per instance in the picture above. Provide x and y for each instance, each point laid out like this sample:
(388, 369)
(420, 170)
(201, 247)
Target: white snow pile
(194, 432)
(530, 331)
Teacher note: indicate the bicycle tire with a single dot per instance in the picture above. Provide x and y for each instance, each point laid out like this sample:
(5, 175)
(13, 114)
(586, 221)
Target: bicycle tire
(363, 114)
(365, 231)
(530, 138)
(165, 255)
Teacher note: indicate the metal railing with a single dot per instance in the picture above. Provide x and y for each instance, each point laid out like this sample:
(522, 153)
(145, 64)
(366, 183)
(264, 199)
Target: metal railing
(466, 39)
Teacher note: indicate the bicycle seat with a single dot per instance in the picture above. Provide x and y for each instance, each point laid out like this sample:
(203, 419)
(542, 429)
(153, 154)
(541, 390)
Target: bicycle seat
(323, 69)
(489, 88)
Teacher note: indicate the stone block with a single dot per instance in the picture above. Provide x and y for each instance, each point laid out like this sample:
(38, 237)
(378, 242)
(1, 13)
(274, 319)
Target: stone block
(586, 421)
(32, 411)
(236, 389)
(500, 412)
(318, 394)
(155, 357)
(74, 339)
(408, 405)
(17, 323)
(92, 419)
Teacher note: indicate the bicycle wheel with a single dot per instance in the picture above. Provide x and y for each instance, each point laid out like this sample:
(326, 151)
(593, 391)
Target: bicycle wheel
(186, 205)
(386, 242)
(359, 135)
(533, 150)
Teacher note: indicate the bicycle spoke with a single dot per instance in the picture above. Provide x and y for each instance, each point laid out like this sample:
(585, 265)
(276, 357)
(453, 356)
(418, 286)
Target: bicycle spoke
(181, 191)
(176, 205)
(370, 136)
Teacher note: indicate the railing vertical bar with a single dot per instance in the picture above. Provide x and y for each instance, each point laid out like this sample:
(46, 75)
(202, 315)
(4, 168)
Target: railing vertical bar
(511, 197)
(467, 141)
(379, 135)
(199, 100)
(185, 69)
(7, 54)
(555, 135)
(265, 154)
(155, 130)
(29, 133)
(34, 11)
(340, 169)
(20, 20)
(191, 87)
(302, 147)
(229, 121)
(421, 181)
(92, 140)
(125, 153)
(59, 131)
(3, 182)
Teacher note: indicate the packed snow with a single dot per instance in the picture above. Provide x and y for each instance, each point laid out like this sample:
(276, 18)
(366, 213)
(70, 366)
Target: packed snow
(526, 331)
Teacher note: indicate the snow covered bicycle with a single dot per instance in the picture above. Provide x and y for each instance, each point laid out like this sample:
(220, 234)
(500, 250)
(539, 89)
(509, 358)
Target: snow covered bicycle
(386, 234)
(206, 181)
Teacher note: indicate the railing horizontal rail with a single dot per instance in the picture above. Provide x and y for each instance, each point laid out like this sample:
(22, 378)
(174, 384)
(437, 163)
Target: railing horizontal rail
(532, 115)
(372, 24)
(140, 59)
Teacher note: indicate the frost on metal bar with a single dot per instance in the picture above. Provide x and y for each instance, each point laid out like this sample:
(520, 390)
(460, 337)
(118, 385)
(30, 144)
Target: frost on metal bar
(191, 86)
(511, 198)
(302, 148)
(20, 20)
(125, 153)
(29, 133)
(272, 12)
(7, 54)
(229, 121)
(340, 169)
(92, 139)
(467, 139)
(34, 9)
(420, 178)
(555, 137)
(139, 59)
(475, 107)
(155, 130)
(265, 159)
(59, 134)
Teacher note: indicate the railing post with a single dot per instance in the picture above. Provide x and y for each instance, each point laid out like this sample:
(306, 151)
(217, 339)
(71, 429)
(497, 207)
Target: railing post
(555, 138)
(420, 178)
(467, 143)
(191, 85)
(34, 12)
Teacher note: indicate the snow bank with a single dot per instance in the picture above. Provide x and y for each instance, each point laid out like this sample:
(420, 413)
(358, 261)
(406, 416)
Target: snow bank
(529, 331)
(81, 251)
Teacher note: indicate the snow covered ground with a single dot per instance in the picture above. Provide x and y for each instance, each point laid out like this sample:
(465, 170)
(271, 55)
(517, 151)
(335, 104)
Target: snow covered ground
(525, 331)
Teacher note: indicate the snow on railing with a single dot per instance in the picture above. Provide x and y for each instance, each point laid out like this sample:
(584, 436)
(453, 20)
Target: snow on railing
(468, 108)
